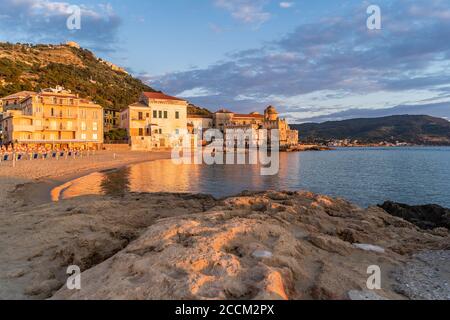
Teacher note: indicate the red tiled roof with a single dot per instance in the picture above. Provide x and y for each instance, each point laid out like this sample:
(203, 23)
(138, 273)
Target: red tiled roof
(160, 96)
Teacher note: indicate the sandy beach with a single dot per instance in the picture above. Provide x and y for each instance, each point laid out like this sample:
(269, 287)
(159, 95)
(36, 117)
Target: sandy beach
(53, 172)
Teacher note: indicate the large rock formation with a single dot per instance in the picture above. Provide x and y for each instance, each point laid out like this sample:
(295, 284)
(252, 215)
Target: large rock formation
(272, 245)
(426, 217)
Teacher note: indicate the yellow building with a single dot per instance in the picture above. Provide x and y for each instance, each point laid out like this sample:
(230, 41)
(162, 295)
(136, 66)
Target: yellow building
(13, 101)
(225, 119)
(156, 121)
(54, 117)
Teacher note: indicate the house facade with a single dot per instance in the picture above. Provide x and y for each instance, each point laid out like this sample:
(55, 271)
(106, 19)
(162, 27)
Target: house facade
(156, 121)
(54, 116)
(111, 120)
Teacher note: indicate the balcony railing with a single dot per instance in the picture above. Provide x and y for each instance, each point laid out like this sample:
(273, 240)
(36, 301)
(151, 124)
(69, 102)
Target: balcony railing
(27, 128)
(61, 116)
(60, 128)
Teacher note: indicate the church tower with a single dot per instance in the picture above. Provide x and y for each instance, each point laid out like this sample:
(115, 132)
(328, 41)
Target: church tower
(271, 114)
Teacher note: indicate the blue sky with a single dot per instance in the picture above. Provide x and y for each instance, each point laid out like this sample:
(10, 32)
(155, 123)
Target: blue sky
(314, 60)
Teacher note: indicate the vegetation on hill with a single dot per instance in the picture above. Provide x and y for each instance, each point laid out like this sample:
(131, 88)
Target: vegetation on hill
(34, 67)
(199, 111)
(423, 130)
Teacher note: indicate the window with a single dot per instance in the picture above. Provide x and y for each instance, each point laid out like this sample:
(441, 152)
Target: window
(53, 112)
(177, 131)
(94, 136)
(148, 115)
(83, 136)
(83, 126)
(94, 126)
(160, 114)
(141, 132)
(155, 114)
(147, 131)
(165, 114)
(140, 115)
(160, 131)
(177, 115)
(69, 125)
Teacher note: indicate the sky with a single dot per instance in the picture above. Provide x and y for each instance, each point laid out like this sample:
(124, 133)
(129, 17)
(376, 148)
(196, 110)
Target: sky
(313, 60)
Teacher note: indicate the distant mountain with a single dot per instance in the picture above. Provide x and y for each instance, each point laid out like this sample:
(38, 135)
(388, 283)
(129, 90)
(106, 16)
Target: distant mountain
(34, 67)
(424, 130)
(439, 110)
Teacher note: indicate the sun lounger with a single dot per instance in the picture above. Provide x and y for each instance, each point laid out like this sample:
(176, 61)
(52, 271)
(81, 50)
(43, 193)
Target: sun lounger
(5, 157)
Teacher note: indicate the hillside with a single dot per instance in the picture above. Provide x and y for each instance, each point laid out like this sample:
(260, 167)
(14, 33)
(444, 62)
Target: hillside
(33, 67)
(424, 130)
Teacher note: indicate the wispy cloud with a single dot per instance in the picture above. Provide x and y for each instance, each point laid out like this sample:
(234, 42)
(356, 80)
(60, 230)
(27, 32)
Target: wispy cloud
(286, 5)
(247, 11)
(45, 21)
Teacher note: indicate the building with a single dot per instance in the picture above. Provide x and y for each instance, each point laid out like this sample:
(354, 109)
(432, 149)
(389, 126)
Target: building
(54, 117)
(195, 122)
(225, 119)
(155, 121)
(111, 120)
(12, 102)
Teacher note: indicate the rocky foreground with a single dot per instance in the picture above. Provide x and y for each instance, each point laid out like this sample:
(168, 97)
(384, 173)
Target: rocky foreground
(271, 245)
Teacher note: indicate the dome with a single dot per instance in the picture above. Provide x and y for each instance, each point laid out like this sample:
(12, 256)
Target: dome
(271, 110)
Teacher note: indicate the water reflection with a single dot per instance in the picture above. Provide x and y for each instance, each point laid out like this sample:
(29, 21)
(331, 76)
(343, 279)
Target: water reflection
(364, 176)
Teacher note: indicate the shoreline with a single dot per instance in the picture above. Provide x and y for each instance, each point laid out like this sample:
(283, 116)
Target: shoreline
(36, 188)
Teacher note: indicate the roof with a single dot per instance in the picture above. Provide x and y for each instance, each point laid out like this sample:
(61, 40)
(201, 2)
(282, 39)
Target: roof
(160, 96)
(138, 104)
(223, 111)
(21, 94)
(256, 116)
(199, 116)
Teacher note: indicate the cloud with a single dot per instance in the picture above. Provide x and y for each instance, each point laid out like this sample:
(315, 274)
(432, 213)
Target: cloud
(406, 62)
(46, 21)
(246, 11)
(286, 5)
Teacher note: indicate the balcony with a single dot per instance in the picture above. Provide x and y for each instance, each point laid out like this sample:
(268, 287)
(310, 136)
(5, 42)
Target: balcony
(60, 116)
(27, 128)
(60, 128)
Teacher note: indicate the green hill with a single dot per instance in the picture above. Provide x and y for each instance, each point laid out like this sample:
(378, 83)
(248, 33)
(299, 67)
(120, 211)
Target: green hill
(34, 67)
(423, 130)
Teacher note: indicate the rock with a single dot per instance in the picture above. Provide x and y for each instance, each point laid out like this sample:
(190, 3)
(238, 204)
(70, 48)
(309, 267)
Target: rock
(369, 247)
(364, 296)
(170, 246)
(427, 217)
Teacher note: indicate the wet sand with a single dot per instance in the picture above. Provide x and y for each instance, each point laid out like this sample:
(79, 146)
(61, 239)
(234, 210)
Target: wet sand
(36, 178)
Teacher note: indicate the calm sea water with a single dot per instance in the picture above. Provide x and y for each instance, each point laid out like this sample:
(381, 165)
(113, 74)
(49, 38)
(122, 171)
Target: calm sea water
(366, 176)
